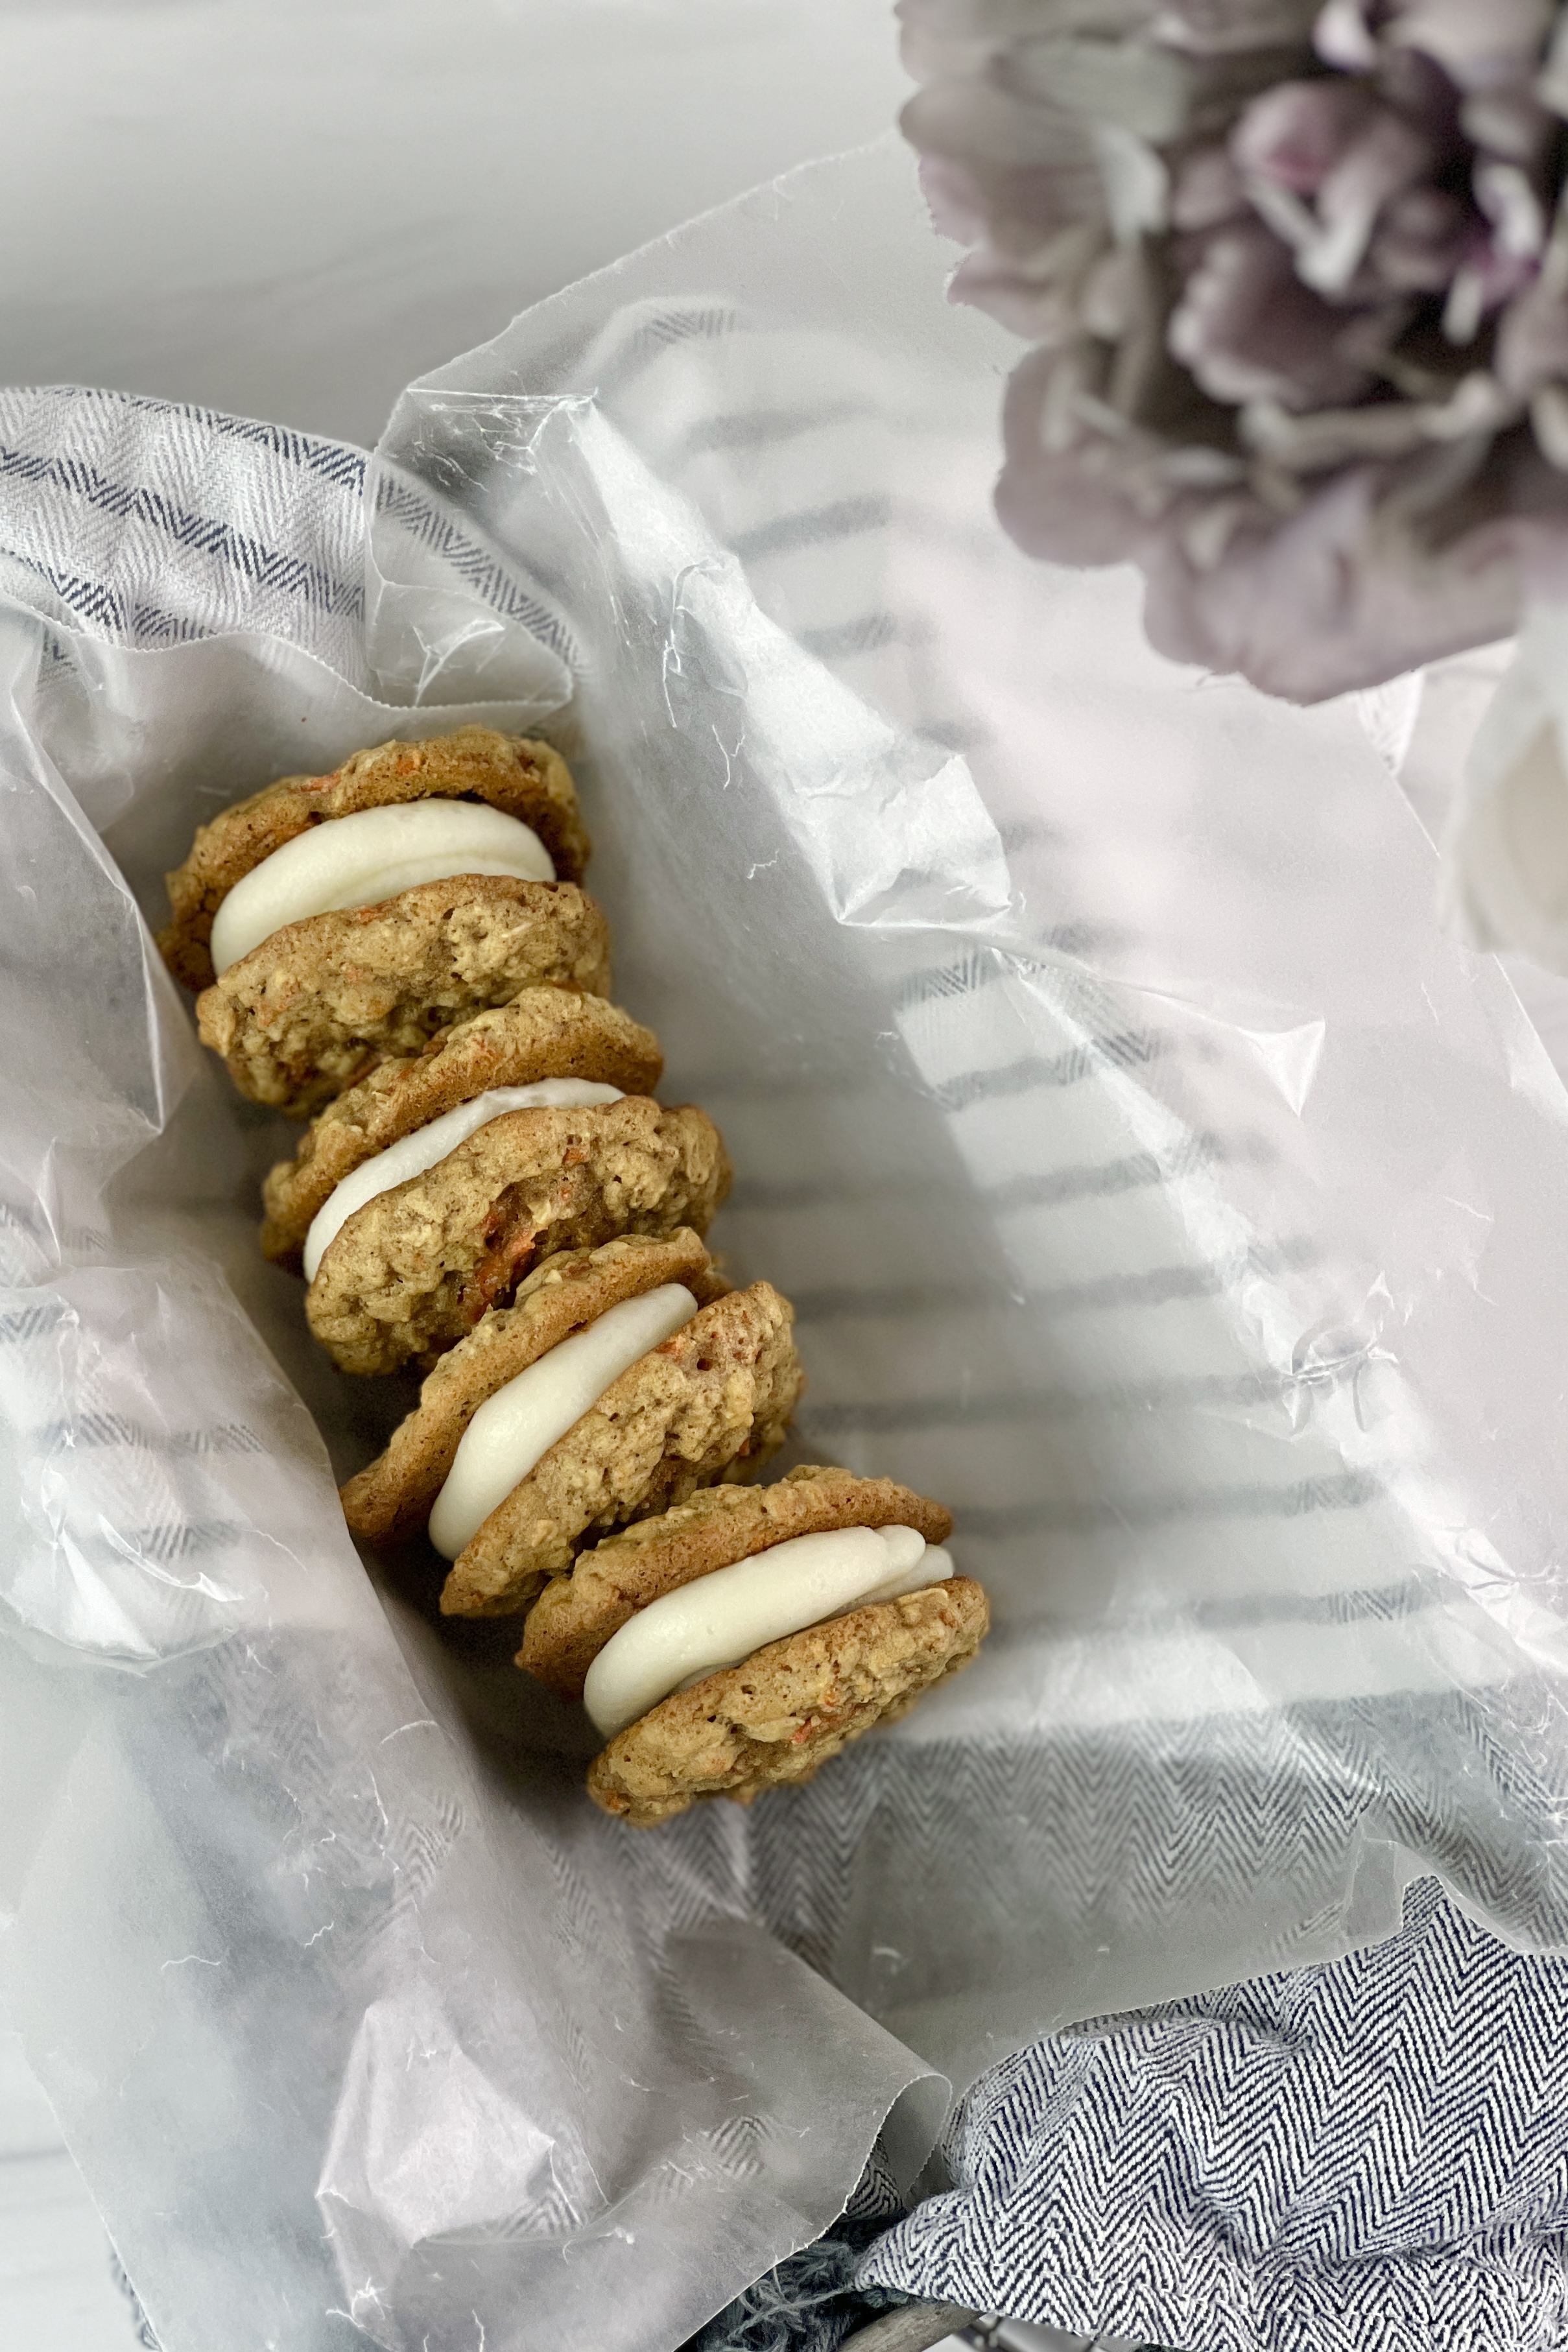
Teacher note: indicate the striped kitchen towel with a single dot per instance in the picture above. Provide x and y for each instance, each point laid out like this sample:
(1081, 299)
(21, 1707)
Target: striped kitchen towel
(1369, 2154)
(1372, 2154)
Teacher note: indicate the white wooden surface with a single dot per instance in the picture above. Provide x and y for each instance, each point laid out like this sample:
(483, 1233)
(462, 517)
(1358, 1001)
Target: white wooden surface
(231, 219)
(289, 208)
(56, 2290)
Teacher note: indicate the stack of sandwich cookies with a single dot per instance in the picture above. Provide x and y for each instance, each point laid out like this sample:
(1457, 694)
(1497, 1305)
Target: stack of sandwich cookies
(739, 1640)
(400, 952)
(450, 1155)
(331, 921)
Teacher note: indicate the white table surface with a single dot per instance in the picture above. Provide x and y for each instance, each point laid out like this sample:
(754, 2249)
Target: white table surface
(289, 208)
(56, 2290)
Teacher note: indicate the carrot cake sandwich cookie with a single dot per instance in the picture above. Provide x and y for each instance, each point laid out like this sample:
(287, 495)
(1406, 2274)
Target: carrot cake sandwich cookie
(328, 922)
(574, 1050)
(400, 953)
(417, 1243)
(620, 1379)
(742, 1638)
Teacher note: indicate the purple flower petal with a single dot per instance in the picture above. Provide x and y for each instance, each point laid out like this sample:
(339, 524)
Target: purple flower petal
(1479, 43)
(1318, 390)
(1532, 335)
(1296, 133)
(1249, 330)
(1207, 190)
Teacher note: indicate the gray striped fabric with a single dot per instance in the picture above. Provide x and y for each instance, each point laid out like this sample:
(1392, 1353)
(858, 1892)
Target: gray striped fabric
(1197, 1193)
(151, 523)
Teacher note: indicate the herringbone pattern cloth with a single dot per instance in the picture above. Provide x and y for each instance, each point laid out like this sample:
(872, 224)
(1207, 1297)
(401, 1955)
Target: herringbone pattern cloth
(1369, 2157)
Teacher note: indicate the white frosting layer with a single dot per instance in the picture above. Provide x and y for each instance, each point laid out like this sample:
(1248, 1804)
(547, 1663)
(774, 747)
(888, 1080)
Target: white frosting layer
(357, 861)
(719, 1620)
(412, 1154)
(521, 1422)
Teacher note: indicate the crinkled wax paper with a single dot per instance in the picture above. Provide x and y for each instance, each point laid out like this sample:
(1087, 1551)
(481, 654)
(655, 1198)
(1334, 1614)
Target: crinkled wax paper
(1154, 1180)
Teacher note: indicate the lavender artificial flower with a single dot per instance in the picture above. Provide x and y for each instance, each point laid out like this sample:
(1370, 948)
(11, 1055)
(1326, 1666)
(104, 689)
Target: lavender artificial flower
(1297, 279)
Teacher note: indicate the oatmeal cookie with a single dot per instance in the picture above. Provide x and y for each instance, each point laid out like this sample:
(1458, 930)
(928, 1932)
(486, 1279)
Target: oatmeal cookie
(791, 1707)
(521, 779)
(416, 1267)
(712, 1402)
(545, 1033)
(317, 1005)
(575, 1615)
(390, 1501)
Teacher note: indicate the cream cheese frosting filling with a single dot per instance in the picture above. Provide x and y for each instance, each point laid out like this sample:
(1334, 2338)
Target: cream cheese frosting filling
(521, 1422)
(411, 1155)
(359, 860)
(719, 1619)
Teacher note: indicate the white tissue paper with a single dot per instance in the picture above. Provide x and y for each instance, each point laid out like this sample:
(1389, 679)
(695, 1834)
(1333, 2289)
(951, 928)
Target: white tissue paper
(1155, 1180)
